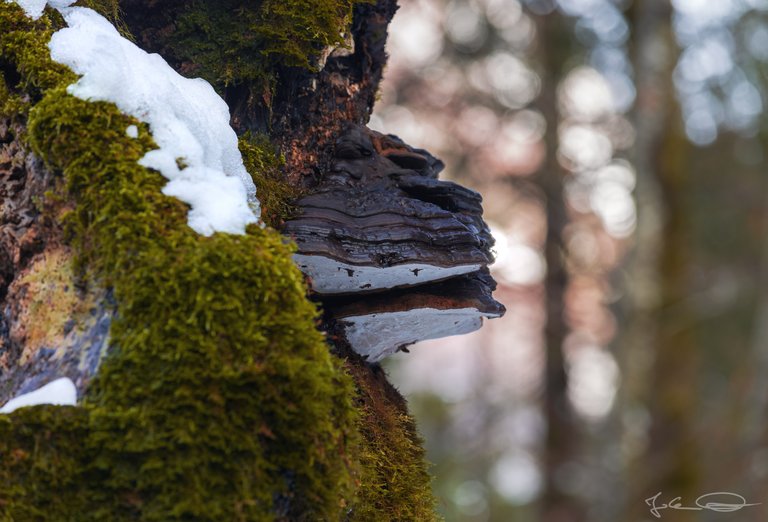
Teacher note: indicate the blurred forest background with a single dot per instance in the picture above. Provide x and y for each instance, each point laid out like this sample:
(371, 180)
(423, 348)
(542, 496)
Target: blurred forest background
(620, 148)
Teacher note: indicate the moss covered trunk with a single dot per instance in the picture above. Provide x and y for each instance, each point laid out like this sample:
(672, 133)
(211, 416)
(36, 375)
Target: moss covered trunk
(206, 389)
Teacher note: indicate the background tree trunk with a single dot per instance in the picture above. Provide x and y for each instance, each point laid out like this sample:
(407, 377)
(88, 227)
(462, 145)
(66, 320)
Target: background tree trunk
(564, 439)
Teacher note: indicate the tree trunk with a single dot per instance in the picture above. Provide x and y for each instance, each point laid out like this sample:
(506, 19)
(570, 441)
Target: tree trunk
(205, 390)
(662, 321)
(563, 440)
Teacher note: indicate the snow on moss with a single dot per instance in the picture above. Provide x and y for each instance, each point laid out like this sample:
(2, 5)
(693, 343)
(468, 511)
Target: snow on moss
(198, 151)
(34, 8)
(61, 392)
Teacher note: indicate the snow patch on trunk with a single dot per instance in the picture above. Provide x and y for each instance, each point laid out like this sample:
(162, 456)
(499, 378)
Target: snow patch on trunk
(61, 392)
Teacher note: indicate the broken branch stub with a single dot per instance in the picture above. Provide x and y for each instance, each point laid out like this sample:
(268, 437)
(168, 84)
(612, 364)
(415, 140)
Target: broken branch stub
(381, 222)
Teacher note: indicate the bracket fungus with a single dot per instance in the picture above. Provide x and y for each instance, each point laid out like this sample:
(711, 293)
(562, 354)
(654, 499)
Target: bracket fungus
(396, 255)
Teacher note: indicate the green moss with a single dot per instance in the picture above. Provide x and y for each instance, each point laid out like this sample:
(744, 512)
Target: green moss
(393, 477)
(24, 52)
(234, 41)
(295, 30)
(10, 104)
(42, 451)
(396, 484)
(219, 399)
(274, 193)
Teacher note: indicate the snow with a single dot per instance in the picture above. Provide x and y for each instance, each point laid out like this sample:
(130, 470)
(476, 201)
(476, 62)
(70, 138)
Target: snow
(61, 392)
(34, 8)
(132, 131)
(198, 151)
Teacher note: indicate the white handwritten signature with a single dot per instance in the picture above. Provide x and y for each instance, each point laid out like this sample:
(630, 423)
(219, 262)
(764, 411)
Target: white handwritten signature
(704, 502)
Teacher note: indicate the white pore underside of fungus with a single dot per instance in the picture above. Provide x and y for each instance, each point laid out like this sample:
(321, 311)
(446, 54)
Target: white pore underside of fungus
(198, 150)
(329, 276)
(394, 330)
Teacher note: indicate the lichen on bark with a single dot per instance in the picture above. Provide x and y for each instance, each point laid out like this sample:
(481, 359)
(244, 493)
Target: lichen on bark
(219, 399)
(55, 305)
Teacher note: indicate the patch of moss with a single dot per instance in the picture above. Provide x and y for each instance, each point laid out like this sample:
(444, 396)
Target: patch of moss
(235, 41)
(9, 104)
(395, 481)
(275, 194)
(296, 30)
(219, 399)
(393, 477)
(24, 53)
(42, 451)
